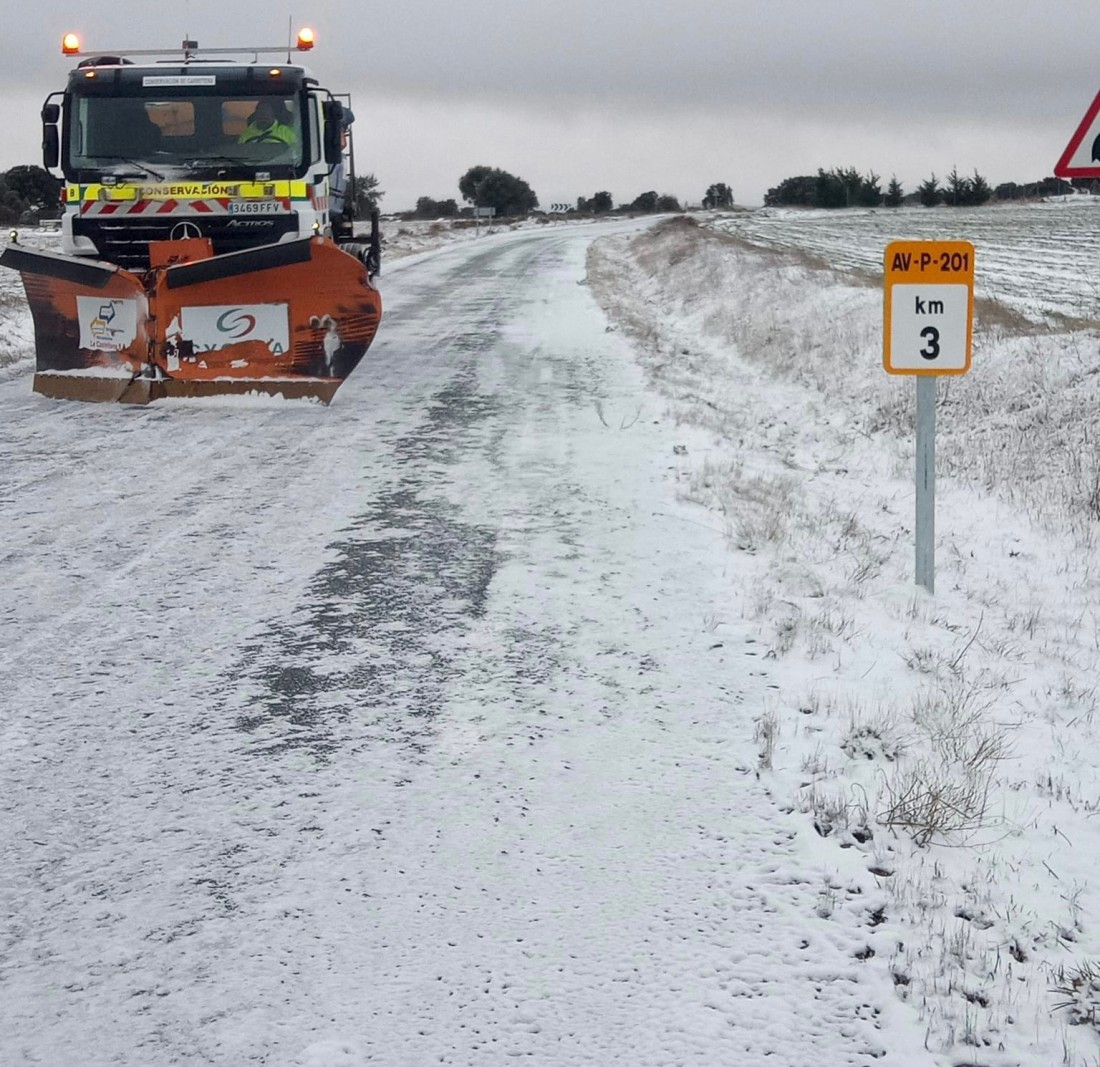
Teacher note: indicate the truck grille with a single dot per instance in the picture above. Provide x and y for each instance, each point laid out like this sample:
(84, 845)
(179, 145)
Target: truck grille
(125, 240)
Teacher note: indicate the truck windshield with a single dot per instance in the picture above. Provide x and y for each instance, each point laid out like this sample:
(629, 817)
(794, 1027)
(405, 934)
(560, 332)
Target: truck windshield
(216, 135)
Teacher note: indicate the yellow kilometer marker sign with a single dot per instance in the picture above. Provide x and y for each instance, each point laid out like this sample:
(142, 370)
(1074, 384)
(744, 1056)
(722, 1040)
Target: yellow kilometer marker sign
(929, 307)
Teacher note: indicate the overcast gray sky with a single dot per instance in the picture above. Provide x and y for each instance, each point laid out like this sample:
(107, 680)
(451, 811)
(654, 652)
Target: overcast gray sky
(630, 95)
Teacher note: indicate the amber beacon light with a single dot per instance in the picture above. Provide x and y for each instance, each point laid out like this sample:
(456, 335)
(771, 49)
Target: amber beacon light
(306, 39)
(70, 44)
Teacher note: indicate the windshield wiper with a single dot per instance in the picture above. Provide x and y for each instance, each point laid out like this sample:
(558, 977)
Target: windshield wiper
(223, 165)
(198, 162)
(145, 168)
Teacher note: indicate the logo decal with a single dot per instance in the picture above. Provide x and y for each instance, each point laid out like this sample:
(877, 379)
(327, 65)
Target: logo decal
(236, 323)
(214, 327)
(106, 325)
(183, 230)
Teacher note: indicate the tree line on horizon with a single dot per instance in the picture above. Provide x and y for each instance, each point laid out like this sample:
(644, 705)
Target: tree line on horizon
(490, 187)
(848, 187)
(28, 192)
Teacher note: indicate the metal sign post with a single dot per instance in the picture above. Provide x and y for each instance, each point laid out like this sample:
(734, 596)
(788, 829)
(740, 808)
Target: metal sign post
(482, 213)
(926, 483)
(929, 312)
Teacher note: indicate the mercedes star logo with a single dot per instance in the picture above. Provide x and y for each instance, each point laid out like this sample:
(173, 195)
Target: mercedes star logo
(183, 230)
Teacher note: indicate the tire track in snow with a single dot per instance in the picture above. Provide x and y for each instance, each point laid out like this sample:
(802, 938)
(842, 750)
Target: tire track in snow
(369, 653)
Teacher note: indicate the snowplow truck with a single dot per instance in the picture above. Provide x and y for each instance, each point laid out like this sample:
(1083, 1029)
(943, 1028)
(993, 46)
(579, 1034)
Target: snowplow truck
(207, 246)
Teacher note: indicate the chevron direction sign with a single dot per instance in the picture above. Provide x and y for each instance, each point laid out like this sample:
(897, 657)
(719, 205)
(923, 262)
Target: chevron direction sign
(561, 207)
(1081, 159)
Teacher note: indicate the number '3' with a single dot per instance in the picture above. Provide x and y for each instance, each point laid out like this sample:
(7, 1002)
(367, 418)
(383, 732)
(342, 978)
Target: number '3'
(932, 336)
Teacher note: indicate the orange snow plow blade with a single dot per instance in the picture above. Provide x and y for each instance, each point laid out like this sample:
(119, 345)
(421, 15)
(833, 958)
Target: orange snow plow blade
(291, 319)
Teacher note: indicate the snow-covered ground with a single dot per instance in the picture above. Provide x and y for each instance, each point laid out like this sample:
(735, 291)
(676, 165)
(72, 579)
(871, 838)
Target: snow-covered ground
(946, 745)
(562, 693)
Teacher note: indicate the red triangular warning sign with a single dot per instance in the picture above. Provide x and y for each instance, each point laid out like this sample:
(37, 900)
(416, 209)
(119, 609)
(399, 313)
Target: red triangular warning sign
(1081, 159)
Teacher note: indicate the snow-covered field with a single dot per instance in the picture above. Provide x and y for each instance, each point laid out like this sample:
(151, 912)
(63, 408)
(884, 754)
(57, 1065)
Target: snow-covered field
(562, 693)
(1042, 259)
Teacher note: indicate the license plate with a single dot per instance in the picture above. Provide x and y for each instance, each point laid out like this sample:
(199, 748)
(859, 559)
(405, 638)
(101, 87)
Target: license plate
(258, 207)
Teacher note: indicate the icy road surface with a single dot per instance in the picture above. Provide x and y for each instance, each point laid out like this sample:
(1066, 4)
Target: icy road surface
(399, 732)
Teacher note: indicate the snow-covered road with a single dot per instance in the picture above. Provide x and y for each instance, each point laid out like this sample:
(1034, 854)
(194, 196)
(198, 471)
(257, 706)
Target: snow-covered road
(403, 731)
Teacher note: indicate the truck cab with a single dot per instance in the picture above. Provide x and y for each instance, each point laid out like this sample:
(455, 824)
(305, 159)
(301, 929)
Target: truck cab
(240, 153)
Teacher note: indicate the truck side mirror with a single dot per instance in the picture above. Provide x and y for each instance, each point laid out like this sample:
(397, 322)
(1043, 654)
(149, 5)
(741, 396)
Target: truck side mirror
(333, 112)
(51, 139)
(51, 146)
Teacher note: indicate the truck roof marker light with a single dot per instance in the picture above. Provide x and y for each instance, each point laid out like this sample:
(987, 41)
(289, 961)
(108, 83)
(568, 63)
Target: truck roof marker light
(70, 45)
(306, 39)
(275, 72)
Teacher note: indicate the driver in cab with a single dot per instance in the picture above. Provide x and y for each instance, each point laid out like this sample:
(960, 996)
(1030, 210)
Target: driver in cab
(267, 124)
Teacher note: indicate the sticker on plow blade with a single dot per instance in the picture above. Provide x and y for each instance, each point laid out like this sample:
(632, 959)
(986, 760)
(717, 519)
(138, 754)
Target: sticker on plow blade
(210, 329)
(106, 325)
